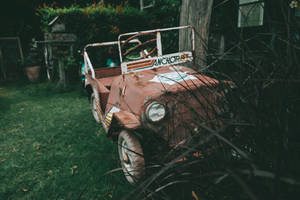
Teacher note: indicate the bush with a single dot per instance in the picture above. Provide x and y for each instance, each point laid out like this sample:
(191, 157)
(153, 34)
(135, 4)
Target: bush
(96, 23)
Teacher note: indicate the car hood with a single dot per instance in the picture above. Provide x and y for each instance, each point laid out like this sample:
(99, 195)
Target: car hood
(132, 92)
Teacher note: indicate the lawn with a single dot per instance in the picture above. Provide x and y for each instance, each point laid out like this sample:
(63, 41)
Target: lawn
(52, 148)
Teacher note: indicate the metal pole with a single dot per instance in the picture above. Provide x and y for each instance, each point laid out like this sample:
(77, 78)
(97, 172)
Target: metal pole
(158, 44)
(142, 4)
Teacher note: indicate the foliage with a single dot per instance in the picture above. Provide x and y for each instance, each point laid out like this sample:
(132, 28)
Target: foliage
(95, 23)
(69, 61)
(83, 3)
(105, 23)
(166, 13)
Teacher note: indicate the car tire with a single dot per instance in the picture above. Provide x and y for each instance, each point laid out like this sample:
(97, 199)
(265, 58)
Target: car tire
(131, 157)
(94, 105)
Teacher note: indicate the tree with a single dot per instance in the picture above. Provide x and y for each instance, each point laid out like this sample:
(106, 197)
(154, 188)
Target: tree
(198, 14)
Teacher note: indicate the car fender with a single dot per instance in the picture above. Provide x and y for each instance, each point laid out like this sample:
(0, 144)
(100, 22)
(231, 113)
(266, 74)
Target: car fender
(127, 120)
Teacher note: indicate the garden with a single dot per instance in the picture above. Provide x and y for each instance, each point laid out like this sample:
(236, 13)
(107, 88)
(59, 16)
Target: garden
(51, 148)
(211, 112)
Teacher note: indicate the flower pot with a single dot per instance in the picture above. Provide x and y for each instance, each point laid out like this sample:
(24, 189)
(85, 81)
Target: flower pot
(33, 73)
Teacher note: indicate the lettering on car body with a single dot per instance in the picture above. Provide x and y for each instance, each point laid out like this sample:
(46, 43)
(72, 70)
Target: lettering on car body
(150, 63)
(171, 60)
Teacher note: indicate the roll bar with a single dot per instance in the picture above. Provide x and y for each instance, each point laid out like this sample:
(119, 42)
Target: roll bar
(157, 31)
(87, 63)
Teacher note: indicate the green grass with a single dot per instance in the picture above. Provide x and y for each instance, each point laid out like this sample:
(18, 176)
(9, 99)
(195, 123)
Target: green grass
(52, 148)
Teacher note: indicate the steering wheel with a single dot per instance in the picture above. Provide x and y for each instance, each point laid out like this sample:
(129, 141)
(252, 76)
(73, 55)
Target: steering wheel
(144, 44)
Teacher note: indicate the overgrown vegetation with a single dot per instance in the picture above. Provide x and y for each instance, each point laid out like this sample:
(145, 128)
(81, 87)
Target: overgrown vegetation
(255, 153)
(95, 23)
(99, 23)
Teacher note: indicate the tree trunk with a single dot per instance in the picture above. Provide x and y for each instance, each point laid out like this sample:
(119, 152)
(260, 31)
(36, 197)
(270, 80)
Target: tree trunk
(196, 13)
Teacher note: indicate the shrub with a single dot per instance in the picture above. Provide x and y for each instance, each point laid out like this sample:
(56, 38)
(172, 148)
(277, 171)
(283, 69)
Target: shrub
(96, 23)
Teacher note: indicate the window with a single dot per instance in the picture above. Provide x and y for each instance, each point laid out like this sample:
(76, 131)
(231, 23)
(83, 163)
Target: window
(251, 13)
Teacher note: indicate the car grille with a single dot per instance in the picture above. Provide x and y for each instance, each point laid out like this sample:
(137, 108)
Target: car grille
(187, 113)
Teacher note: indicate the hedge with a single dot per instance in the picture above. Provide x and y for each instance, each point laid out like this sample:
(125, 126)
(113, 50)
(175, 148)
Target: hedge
(99, 23)
(95, 23)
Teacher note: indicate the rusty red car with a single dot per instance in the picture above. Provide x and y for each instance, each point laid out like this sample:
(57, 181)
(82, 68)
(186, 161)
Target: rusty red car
(144, 90)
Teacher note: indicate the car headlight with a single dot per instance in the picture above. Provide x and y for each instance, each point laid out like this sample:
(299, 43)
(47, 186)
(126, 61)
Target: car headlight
(155, 112)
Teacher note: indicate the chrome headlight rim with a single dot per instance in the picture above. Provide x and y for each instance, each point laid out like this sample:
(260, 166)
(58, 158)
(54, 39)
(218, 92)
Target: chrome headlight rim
(148, 109)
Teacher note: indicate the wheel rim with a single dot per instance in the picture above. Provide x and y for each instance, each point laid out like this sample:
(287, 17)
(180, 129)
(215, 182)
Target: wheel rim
(126, 157)
(131, 157)
(94, 108)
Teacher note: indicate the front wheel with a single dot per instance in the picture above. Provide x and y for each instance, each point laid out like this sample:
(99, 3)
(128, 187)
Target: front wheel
(131, 157)
(95, 105)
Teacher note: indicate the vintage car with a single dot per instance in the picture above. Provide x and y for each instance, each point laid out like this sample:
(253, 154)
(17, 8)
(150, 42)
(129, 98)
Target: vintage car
(148, 93)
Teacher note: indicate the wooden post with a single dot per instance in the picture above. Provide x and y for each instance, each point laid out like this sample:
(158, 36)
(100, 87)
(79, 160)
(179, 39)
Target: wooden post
(198, 14)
